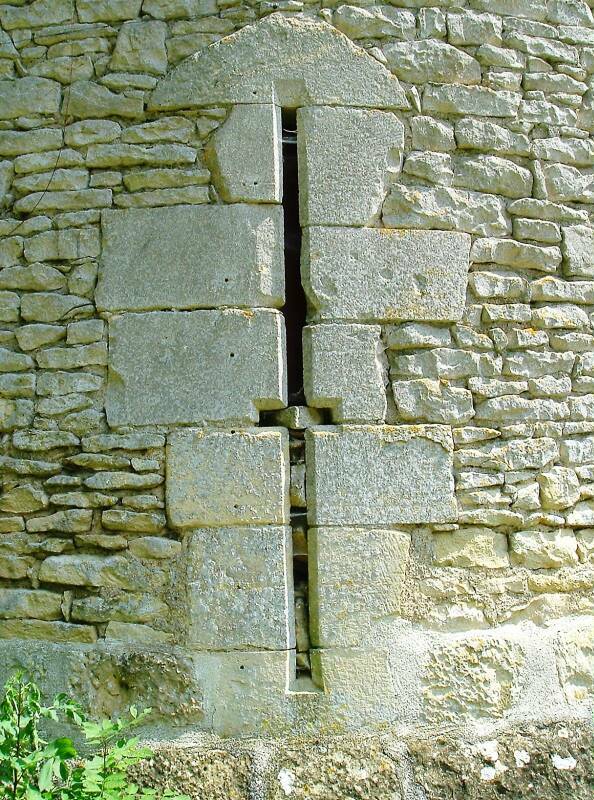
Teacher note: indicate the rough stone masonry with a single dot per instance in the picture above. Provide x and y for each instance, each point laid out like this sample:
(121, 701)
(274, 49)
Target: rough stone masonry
(384, 591)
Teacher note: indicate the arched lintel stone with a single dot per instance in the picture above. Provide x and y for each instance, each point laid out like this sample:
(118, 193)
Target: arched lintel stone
(289, 61)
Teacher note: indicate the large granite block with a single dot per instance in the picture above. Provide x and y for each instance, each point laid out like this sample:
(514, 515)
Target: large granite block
(385, 275)
(239, 582)
(245, 155)
(192, 367)
(346, 158)
(380, 475)
(191, 257)
(227, 477)
(345, 371)
(355, 578)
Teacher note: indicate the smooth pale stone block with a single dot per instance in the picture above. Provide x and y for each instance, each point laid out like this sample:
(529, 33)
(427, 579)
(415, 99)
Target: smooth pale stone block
(191, 257)
(345, 371)
(175, 367)
(379, 475)
(346, 158)
(355, 578)
(287, 60)
(245, 692)
(227, 477)
(240, 594)
(383, 275)
(244, 155)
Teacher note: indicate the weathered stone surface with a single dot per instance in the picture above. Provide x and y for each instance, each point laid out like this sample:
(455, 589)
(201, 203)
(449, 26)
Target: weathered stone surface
(378, 21)
(218, 478)
(360, 475)
(446, 209)
(375, 275)
(454, 99)
(85, 99)
(427, 400)
(344, 370)
(36, 14)
(278, 60)
(470, 678)
(559, 488)
(356, 578)
(140, 47)
(71, 521)
(578, 251)
(239, 589)
(52, 631)
(543, 549)
(471, 547)
(28, 96)
(107, 10)
(431, 61)
(215, 256)
(370, 142)
(18, 603)
(89, 570)
(168, 367)
(244, 155)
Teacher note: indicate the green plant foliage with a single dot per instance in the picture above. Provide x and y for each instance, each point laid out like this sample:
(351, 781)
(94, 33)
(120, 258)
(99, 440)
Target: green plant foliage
(33, 769)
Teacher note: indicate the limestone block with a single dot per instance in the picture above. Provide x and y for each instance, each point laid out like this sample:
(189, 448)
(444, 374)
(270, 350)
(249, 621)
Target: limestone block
(431, 61)
(191, 257)
(427, 400)
(559, 488)
(574, 650)
(279, 60)
(244, 155)
(119, 572)
(455, 99)
(361, 23)
(442, 208)
(239, 582)
(227, 477)
(88, 99)
(578, 251)
(475, 134)
(378, 275)
(344, 370)
(253, 685)
(356, 577)
(174, 367)
(28, 97)
(360, 686)
(471, 548)
(36, 14)
(52, 631)
(346, 158)
(107, 10)
(543, 549)
(492, 174)
(38, 604)
(382, 475)
(140, 47)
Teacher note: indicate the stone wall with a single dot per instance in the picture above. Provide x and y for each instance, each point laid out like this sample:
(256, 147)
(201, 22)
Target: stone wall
(446, 459)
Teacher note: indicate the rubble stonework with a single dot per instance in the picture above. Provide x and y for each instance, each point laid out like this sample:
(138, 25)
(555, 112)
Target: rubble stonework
(159, 499)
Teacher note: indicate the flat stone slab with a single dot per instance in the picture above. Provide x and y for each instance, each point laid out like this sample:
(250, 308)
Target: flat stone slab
(227, 477)
(290, 61)
(379, 275)
(244, 155)
(379, 475)
(239, 588)
(356, 577)
(347, 157)
(169, 367)
(345, 370)
(187, 257)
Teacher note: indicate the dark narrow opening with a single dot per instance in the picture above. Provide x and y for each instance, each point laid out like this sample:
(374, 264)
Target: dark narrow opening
(295, 309)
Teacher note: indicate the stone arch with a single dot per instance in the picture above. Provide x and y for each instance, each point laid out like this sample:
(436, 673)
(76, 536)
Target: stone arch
(289, 61)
